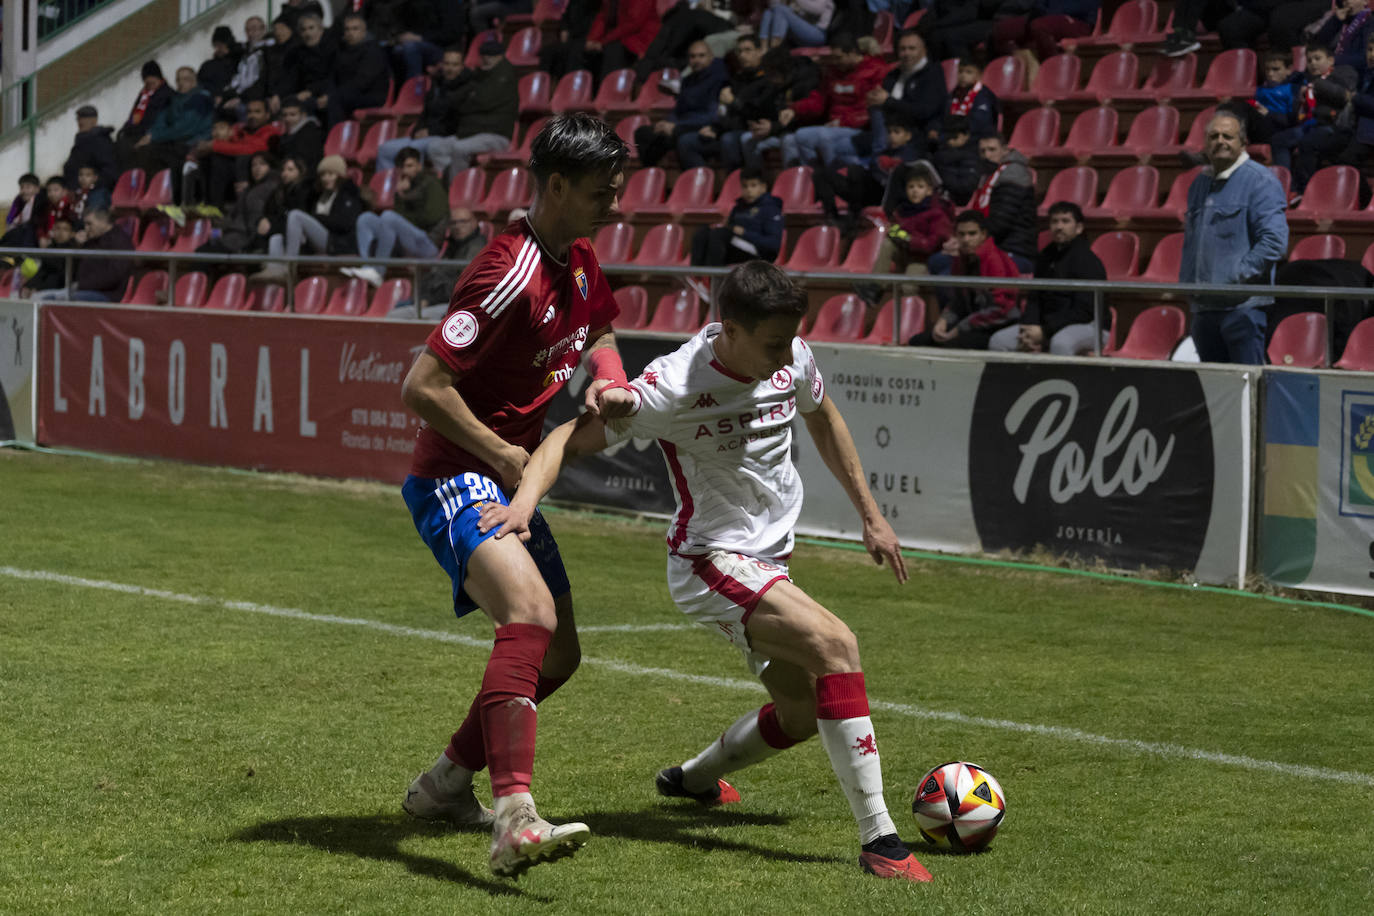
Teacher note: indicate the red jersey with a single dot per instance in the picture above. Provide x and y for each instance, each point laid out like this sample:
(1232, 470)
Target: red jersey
(515, 330)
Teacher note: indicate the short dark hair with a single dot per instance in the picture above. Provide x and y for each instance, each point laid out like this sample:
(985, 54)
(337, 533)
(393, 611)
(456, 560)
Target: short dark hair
(574, 145)
(900, 122)
(87, 165)
(1313, 46)
(292, 102)
(756, 291)
(56, 179)
(406, 154)
(752, 173)
(70, 221)
(355, 15)
(972, 216)
(105, 215)
(996, 135)
(1283, 57)
(954, 124)
(844, 43)
(30, 178)
(1069, 207)
(752, 39)
(920, 173)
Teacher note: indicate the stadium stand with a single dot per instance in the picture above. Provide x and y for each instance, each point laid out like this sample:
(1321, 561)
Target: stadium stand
(1300, 341)
(1359, 348)
(1154, 333)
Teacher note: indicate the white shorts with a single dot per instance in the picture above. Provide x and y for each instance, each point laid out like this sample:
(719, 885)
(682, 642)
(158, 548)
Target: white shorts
(720, 589)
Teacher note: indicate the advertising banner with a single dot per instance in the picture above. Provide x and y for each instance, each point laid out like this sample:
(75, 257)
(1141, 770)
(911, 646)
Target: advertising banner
(18, 332)
(306, 394)
(1317, 529)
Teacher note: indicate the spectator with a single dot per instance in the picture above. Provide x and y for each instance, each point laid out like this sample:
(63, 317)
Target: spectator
(99, 279)
(794, 77)
(753, 230)
(279, 75)
(328, 224)
(1284, 21)
(313, 63)
(969, 317)
(971, 99)
(362, 73)
(620, 32)
(1274, 107)
(250, 74)
(439, 118)
(914, 90)
(294, 10)
(802, 21)
(93, 146)
(1006, 196)
(862, 185)
(217, 72)
(1347, 31)
(462, 243)
(89, 195)
(152, 98)
(750, 95)
(486, 103)
(59, 207)
(422, 30)
(27, 211)
(417, 221)
(566, 54)
(1331, 142)
(488, 15)
(1059, 320)
(293, 192)
(239, 231)
(1234, 233)
(919, 225)
(1036, 34)
(302, 136)
(956, 161)
(1321, 99)
(52, 271)
(839, 105)
(223, 163)
(695, 108)
(685, 23)
(956, 27)
(186, 120)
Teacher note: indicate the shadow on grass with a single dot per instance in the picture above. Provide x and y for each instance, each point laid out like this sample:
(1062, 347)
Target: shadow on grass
(379, 837)
(683, 825)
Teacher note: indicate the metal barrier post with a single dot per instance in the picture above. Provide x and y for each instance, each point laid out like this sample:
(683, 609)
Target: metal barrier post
(67, 280)
(1097, 323)
(1330, 332)
(896, 313)
(291, 285)
(415, 291)
(172, 282)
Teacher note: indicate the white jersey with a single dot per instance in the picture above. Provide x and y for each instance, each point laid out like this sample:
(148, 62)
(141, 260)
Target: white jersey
(728, 443)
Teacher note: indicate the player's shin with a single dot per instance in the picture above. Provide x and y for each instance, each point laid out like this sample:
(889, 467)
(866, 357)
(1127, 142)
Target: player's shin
(846, 731)
(466, 752)
(754, 737)
(508, 705)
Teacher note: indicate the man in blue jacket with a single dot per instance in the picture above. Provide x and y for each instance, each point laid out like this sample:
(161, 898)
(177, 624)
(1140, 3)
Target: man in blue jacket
(185, 120)
(754, 229)
(695, 107)
(1234, 233)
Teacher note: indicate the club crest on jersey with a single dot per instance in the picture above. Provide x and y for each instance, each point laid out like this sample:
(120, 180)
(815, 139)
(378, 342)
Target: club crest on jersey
(460, 329)
(580, 276)
(782, 379)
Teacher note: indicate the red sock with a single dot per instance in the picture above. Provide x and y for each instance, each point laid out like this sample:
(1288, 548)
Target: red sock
(771, 729)
(466, 749)
(507, 705)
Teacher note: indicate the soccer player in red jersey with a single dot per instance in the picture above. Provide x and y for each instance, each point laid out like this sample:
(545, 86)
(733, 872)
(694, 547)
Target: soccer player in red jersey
(523, 315)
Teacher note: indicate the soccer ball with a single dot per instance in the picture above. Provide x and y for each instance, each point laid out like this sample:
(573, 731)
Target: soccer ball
(959, 806)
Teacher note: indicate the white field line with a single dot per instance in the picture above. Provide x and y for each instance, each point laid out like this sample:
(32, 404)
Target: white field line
(1058, 732)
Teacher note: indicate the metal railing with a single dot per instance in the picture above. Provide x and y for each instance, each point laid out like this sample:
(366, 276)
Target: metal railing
(19, 108)
(55, 16)
(1327, 295)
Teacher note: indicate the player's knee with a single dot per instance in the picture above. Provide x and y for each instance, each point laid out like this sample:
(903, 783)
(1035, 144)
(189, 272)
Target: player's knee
(533, 609)
(836, 648)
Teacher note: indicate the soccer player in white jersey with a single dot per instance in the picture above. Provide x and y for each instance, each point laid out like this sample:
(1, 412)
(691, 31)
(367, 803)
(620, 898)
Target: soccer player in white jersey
(722, 407)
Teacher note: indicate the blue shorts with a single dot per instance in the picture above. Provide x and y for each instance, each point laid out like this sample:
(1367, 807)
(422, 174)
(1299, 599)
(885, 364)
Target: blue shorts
(446, 512)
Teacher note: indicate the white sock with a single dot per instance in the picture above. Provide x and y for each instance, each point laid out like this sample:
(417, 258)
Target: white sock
(450, 778)
(853, 753)
(504, 803)
(741, 745)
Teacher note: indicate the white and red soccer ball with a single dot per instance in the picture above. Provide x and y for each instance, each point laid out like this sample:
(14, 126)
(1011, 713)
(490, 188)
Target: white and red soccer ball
(959, 806)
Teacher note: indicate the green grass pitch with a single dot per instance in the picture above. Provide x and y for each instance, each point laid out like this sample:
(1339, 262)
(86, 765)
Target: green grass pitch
(231, 730)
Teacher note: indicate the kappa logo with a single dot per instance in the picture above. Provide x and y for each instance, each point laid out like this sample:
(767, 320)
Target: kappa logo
(650, 378)
(706, 400)
(865, 745)
(460, 329)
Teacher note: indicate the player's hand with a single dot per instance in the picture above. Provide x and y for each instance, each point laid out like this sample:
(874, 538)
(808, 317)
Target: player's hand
(608, 405)
(505, 519)
(881, 543)
(510, 464)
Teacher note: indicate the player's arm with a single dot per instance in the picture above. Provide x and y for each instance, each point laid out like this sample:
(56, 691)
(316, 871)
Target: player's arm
(608, 395)
(836, 445)
(428, 390)
(585, 435)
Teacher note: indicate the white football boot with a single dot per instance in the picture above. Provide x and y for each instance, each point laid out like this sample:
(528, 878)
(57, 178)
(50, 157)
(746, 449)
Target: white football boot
(521, 839)
(425, 801)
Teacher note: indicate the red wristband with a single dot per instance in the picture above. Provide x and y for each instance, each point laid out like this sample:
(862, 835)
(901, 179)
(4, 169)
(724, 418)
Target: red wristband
(605, 364)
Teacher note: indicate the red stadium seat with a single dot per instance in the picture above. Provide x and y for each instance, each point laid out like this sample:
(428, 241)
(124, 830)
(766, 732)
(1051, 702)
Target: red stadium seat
(147, 288)
(157, 236)
(617, 93)
(544, 11)
(1036, 132)
(817, 249)
(229, 293)
(884, 25)
(510, 189)
(519, 153)
(1197, 131)
(380, 111)
(190, 290)
(1112, 75)
(1318, 248)
(1005, 75)
(913, 19)
(473, 59)
(729, 194)
(128, 189)
(694, 188)
(349, 298)
(1175, 206)
(523, 50)
(625, 129)
(613, 243)
(912, 318)
(677, 313)
(387, 297)
(1133, 23)
(311, 295)
(651, 98)
(1076, 185)
(1358, 355)
(1119, 253)
(383, 187)
(409, 101)
(1092, 131)
(130, 226)
(535, 91)
(1154, 333)
(1109, 348)
(1169, 78)
(1134, 190)
(1299, 340)
(863, 251)
(1367, 262)
(355, 175)
(1231, 75)
(662, 247)
(1056, 79)
(950, 66)
(1165, 260)
(644, 189)
(634, 308)
(1154, 132)
(343, 140)
(377, 134)
(1285, 178)
(840, 319)
(158, 193)
(467, 188)
(797, 191)
(1332, 193)
(271, 298)
(192, 235)
(573, 93)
